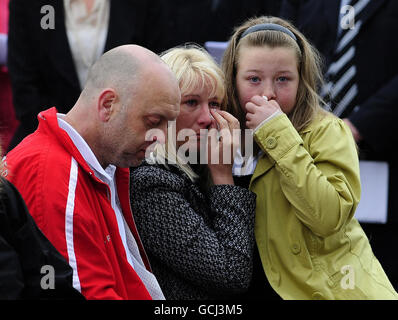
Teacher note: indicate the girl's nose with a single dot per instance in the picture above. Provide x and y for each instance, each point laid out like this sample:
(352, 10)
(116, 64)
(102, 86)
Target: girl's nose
(269, 91)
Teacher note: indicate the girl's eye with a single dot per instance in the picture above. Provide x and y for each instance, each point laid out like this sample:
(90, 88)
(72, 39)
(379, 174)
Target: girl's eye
(254, 79)
(282, 79)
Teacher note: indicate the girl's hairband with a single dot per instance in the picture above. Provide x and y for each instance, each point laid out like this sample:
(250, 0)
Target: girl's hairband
(268, 26)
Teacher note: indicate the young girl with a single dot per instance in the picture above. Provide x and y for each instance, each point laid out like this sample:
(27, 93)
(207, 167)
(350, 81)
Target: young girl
(307, 172)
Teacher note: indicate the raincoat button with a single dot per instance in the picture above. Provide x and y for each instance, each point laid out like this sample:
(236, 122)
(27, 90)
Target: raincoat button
(317, 296)
(271, 143)
(295, 248)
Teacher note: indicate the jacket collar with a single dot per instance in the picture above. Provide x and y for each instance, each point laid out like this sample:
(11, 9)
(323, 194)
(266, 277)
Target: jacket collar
(86, 152)
(48, 123)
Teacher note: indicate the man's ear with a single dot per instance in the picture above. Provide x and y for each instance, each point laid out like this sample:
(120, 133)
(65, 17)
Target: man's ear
(106, 104)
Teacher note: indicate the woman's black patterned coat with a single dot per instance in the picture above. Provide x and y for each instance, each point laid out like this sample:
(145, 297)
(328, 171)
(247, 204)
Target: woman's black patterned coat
(200, 245)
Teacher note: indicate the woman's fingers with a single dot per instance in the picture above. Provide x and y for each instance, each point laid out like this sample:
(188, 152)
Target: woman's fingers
(222, 123)
(214, 123)
(233, 123)
(228, 136)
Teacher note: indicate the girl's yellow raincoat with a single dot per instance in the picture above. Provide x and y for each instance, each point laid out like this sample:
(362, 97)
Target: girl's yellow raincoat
(308, 188)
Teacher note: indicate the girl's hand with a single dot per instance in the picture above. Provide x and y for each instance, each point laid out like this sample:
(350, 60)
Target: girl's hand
(222, 146)
(259, 109)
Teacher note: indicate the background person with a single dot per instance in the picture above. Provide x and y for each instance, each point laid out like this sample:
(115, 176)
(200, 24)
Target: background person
(52, 45)
(30, 266)
(8, 122)
(228, 14)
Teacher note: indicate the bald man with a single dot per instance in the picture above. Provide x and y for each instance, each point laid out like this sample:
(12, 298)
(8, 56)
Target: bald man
(73, 171)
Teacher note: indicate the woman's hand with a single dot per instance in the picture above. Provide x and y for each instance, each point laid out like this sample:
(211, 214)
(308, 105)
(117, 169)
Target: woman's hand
(222, 146)
(259, 109)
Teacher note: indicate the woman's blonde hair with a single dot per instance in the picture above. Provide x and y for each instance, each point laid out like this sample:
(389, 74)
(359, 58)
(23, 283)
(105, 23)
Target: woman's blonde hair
(194, 68)
(308, 102)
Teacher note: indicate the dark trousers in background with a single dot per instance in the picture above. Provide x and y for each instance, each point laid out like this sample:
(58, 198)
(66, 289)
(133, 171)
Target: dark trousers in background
(384, 239)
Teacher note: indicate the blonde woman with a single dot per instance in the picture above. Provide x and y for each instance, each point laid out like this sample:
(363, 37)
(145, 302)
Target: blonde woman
(196, 225)
(307, 173)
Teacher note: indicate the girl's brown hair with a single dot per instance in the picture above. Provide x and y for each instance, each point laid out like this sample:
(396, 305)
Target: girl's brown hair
(308, 102)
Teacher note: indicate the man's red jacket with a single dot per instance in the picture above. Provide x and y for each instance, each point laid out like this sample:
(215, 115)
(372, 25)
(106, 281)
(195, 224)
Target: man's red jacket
(72, 208)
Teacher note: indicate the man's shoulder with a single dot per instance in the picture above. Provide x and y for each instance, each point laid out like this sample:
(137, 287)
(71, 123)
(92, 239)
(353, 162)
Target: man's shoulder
(39, 164)
(35, 151)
